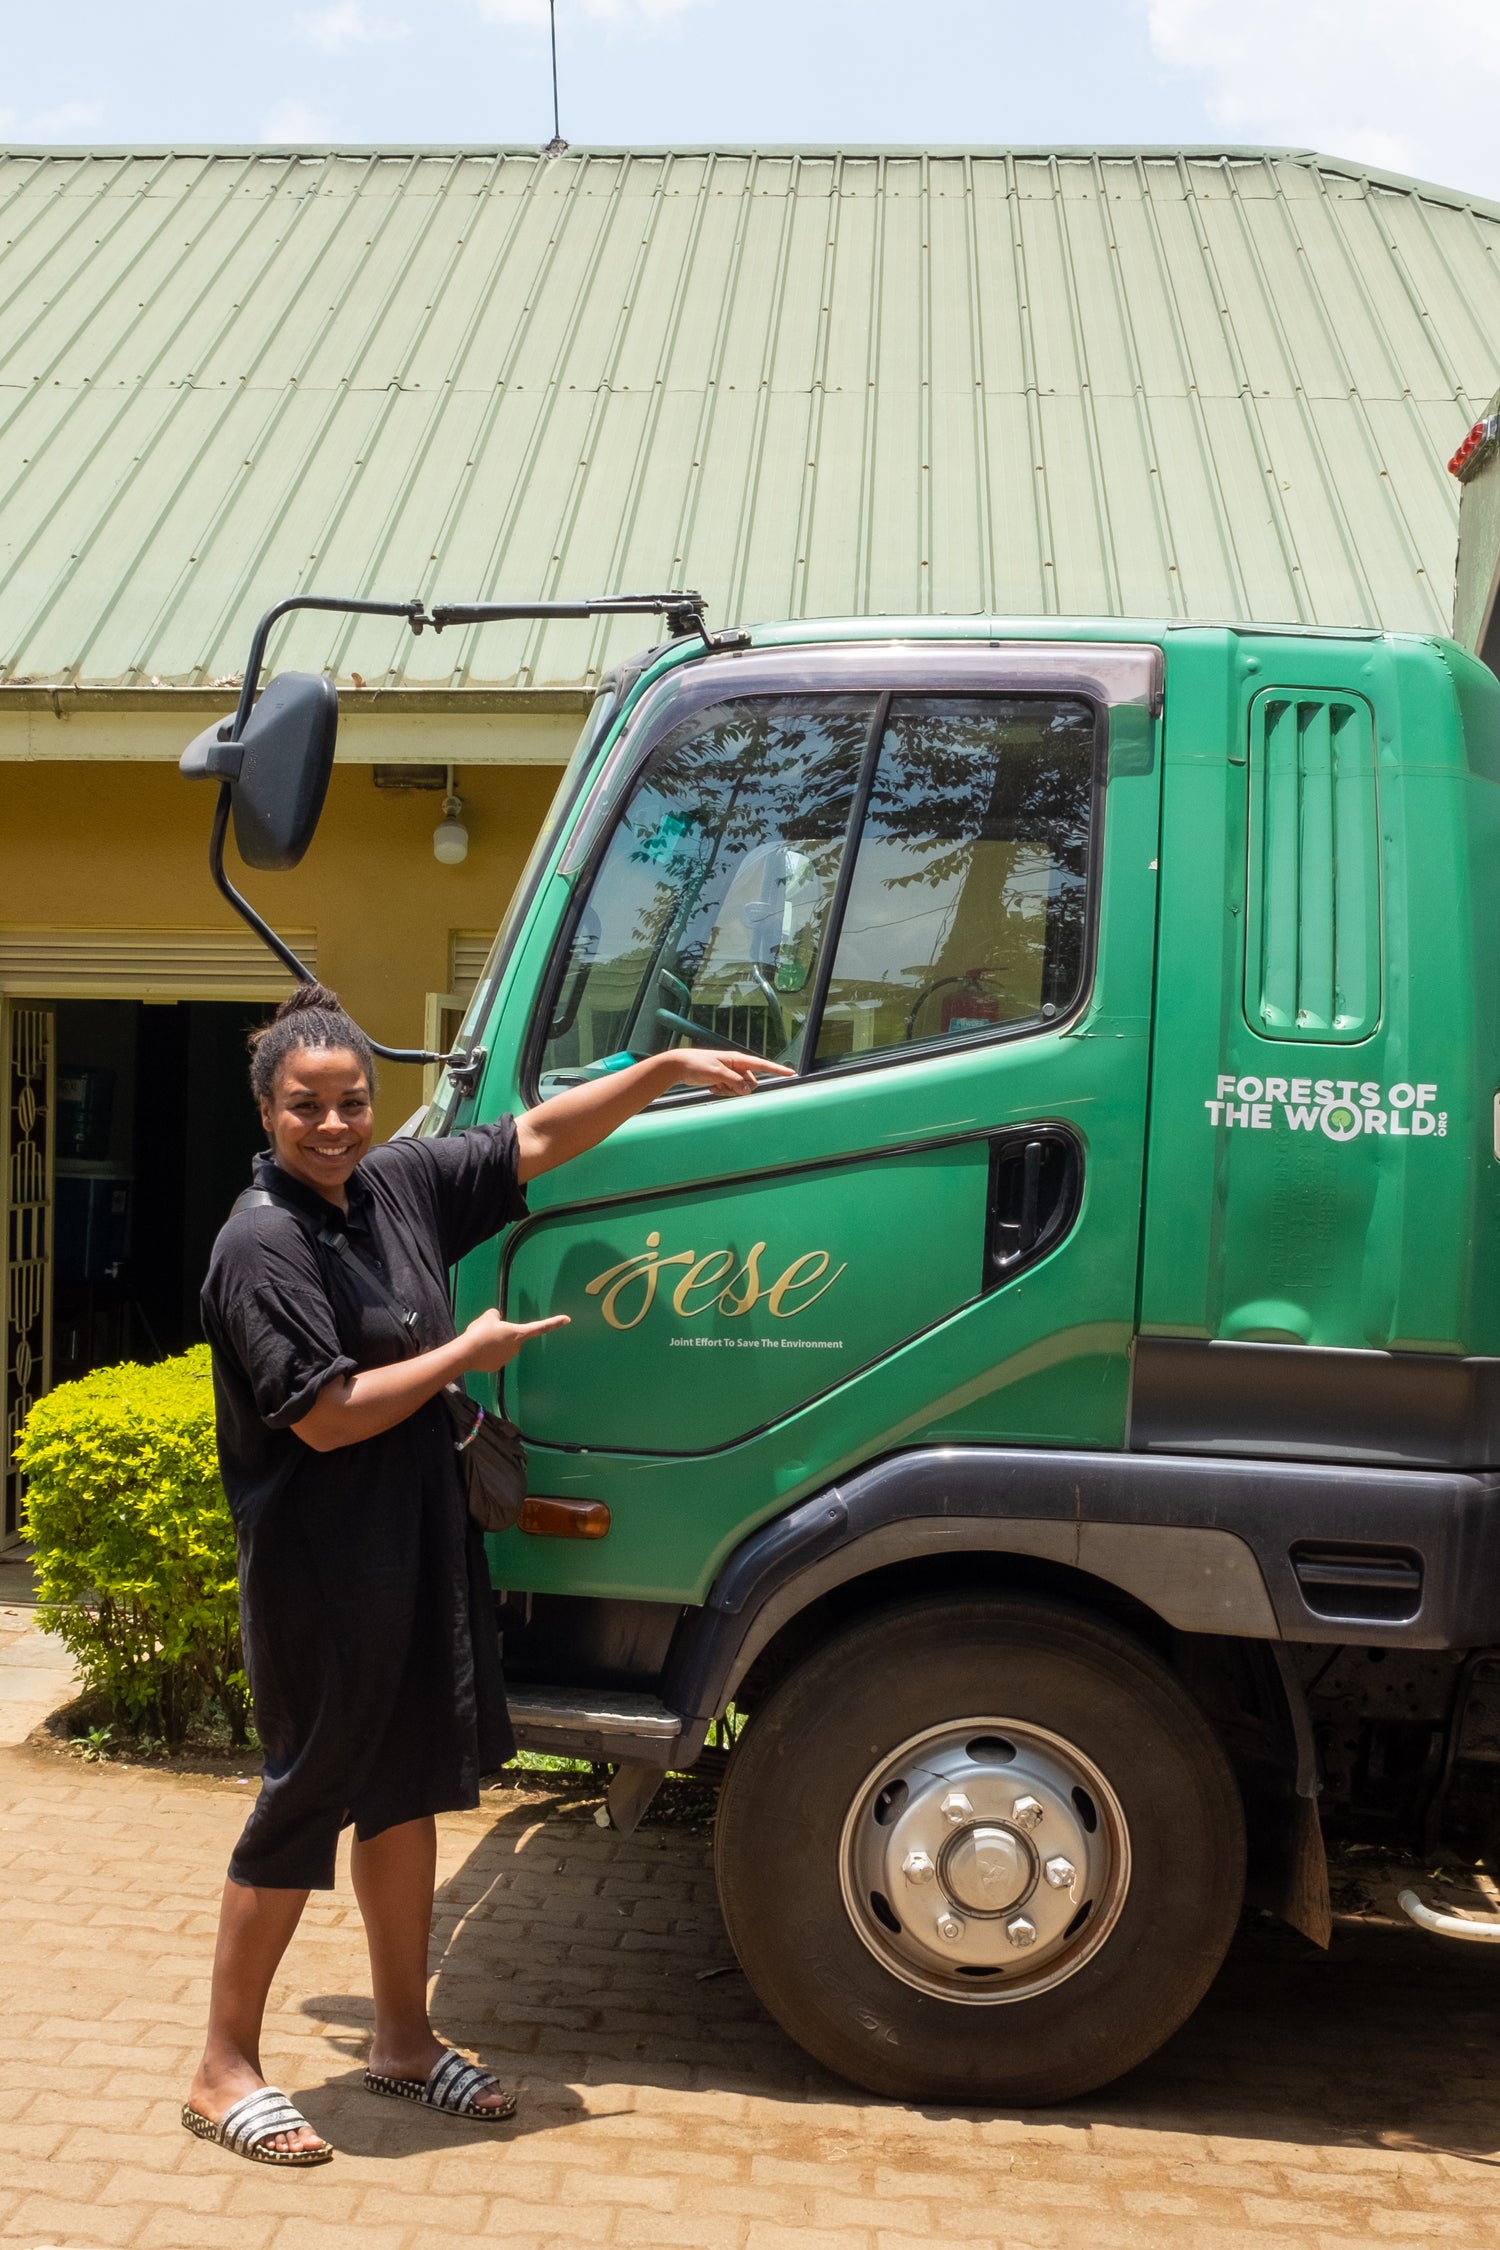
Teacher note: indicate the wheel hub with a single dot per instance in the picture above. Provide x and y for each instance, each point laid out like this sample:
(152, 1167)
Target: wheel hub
(987, 1869)
(984, 1860)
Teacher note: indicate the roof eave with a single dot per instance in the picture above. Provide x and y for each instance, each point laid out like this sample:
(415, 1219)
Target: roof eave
(62, 696)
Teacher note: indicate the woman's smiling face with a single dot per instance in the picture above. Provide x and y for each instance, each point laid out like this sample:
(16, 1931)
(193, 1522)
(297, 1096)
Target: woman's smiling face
(319, 1118)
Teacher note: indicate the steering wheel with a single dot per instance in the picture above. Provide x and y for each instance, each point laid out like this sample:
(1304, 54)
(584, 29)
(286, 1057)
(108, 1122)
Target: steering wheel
(703, 1034)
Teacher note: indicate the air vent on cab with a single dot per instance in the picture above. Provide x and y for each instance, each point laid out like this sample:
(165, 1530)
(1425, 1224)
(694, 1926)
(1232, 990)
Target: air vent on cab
(1312, 906)
(1365, 1585)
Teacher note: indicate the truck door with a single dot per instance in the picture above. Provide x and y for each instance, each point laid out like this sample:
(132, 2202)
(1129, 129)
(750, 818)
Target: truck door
(923, 877)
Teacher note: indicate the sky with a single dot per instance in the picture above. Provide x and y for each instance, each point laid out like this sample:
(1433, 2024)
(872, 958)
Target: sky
(1407, 85)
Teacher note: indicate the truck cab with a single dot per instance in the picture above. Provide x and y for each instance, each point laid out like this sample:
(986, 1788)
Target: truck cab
(1052, 1442)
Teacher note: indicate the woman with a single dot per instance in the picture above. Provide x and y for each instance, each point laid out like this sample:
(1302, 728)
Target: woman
(365, 1604)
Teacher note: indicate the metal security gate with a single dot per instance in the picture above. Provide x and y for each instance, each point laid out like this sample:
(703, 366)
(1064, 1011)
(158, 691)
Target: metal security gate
(27, 1064)
(38, 968)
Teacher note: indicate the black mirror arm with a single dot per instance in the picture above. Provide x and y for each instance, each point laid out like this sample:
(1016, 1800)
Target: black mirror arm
(242, 906)
(683, 612)
(463, 1068)
(413, 611)
(214, 755)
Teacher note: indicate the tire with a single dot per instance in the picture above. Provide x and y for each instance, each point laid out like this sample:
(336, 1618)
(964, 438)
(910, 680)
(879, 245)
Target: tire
(979, 1736)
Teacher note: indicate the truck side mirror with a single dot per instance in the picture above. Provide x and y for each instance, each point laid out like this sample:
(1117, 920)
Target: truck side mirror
(277, 771)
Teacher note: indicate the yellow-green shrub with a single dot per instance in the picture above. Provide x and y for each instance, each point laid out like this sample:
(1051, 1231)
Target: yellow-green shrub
(134, 1544)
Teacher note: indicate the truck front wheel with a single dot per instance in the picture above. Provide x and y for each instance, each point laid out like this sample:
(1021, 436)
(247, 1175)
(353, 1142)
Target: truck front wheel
(980, 1851)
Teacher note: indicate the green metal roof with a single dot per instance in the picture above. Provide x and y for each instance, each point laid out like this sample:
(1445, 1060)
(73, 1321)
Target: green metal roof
(1179, 383)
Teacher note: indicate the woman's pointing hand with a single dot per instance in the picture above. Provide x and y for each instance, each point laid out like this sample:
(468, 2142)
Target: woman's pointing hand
(722, 1070)
(492, 1342)
(584, 1116)
(374, 1399)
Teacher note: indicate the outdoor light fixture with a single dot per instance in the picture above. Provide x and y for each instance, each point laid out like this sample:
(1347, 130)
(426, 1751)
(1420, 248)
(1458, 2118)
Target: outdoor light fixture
(450, 838)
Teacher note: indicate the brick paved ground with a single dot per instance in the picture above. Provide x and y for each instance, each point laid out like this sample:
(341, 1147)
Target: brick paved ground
(1314, 2102)
(36, 1671)
(36, 1674)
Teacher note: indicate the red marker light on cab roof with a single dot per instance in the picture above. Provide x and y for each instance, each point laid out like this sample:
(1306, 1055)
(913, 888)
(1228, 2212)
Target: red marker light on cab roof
(1482, 433)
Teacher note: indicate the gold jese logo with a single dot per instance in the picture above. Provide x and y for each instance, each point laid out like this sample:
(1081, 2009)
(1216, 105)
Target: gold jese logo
(711, 1281)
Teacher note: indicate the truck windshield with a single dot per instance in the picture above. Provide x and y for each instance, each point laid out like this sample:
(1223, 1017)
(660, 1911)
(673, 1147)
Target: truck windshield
(947, 837)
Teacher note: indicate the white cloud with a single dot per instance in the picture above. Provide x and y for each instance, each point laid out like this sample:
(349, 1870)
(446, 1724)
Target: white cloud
(63, 121)
(1405, 85)
(613, 15)
(292, 122)
(349, 23)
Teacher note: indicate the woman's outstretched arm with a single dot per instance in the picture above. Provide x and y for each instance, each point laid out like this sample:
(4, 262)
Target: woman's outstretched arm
(362, 1405)
(585, 1115)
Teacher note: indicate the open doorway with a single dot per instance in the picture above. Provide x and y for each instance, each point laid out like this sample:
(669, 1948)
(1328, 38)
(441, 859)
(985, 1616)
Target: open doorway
(154, 1134)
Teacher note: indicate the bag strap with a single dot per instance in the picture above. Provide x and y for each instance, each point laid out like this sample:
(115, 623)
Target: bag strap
(329, 1238)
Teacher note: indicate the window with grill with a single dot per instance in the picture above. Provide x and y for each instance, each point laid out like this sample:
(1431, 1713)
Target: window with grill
(1312, 907)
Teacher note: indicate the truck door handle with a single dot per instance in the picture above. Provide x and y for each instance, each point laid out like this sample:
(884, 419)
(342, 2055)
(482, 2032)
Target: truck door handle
(1036, 1185)
(1028, 1225)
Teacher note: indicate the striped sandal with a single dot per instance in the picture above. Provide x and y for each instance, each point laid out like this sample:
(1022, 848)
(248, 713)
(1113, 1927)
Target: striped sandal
(452, 2086)
(248, 2128)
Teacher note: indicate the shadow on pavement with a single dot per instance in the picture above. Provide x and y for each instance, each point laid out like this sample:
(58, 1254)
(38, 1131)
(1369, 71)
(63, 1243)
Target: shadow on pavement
(572, 1959)
(1389, 2040)
(365, 2124)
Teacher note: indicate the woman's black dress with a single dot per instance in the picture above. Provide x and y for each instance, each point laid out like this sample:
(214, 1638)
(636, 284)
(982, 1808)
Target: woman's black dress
(365, 1604)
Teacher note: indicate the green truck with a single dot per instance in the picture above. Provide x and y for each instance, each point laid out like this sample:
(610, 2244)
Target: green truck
(1055, 1438)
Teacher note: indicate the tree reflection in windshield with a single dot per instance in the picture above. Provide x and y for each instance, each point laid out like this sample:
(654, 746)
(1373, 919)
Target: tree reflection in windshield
(968, 904)
(708, 917)
(714, 894)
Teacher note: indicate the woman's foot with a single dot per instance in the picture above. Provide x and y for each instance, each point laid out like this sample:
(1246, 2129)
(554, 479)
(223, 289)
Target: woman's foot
(216, 2089)
(416, 2064)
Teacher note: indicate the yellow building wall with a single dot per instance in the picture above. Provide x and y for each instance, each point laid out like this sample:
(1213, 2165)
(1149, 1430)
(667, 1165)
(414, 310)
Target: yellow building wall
(112, 845)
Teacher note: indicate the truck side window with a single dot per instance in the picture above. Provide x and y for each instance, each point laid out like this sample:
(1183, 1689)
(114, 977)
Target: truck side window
(967, 908)
(705, 921)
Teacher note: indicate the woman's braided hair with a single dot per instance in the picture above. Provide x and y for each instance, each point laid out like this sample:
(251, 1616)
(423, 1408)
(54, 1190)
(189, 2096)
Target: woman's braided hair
(310, 1017)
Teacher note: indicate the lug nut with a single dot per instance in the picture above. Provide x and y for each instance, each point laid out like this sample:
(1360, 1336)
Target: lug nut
(1020, 1931)
(956, 1808)
(950, 1929)
(918, 1868)
(1060, 1873)
(1026, 1812)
